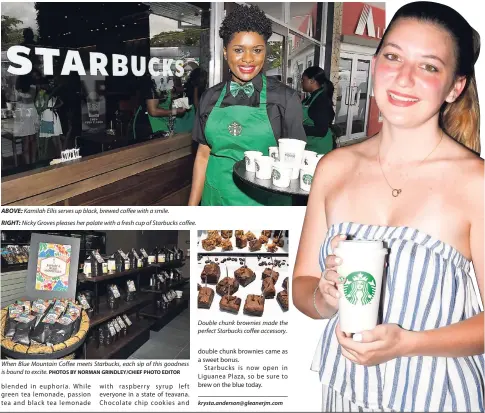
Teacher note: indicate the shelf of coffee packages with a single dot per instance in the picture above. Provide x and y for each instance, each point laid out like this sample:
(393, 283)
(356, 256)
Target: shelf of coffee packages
(150, 267)
(161, 317)
(272, 309)
(167, 285)
(123, 346)
(263, 251)
(106, 313)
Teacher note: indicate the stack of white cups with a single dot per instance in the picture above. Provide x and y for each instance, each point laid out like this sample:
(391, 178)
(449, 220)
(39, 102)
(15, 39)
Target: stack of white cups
(307, 170)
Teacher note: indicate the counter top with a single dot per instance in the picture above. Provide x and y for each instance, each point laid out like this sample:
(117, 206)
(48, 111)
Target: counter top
(56, 183)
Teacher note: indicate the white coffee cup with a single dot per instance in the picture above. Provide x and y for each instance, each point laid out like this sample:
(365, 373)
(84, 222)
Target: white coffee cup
(309, 157)
(291, 151)
(274, 152)
(249, 157)
(281, 174)
(179, 293)
(306, 177)
(264, 167)
(363, 268)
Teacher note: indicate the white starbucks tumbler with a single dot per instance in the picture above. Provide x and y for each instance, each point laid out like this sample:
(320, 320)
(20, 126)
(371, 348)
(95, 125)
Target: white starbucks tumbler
(249, 157)
(281, 174)
(363, 269)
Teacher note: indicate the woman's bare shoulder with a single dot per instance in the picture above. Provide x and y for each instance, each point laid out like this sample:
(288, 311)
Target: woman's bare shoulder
(346, 157)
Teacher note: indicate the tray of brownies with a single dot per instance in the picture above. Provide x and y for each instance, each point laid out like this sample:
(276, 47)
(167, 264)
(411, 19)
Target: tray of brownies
(243, 241)
(245, 287)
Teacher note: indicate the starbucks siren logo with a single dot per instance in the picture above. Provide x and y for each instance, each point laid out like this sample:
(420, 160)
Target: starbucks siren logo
(360, 288)
(307, 179)
(276, 175)
(247, 160)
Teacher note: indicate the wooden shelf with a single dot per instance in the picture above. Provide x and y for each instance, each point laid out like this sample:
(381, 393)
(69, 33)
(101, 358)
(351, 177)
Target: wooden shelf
(14, 267)
(138, 334)
(163, 317)
(105, 313)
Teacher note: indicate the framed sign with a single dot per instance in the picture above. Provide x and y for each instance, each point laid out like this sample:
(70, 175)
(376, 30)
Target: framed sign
(53, 267)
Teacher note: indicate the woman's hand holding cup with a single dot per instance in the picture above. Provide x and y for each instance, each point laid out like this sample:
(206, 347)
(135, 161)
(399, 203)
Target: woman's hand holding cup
(330, 279)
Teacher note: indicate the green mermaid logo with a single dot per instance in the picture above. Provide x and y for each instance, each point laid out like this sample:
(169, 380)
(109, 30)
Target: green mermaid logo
(360, 288)
(307, 179)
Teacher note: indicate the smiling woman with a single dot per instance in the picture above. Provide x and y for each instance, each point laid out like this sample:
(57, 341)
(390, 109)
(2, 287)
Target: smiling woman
(418, 187)
(247, 113)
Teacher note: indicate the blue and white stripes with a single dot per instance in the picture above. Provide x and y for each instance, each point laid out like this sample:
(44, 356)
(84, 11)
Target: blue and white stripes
(428, 285)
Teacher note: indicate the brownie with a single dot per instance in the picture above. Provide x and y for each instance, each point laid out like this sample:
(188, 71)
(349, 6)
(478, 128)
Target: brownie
(230, 304)
(226, 245)
(211, 273)
(250, 236)
(226, 233)
(208, 244)
(239, 232)
(270, 273)
(282, 299)
(255, 245)
(268, 288)
(280, 242)
(245, 276)
(214, 236)
(263, 239)
(285, 283)
(205, 297)
(242, 241)
(254, 305)
(226, 283)
(266, 233)
(271, 247)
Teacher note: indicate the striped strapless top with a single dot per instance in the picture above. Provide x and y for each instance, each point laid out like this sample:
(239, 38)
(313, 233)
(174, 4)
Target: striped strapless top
(428, 285)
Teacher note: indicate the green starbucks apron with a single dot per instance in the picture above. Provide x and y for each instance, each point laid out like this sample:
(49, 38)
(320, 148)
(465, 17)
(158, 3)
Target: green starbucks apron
(318, 144)
(230, 131)
(160, 123)
(185, 123)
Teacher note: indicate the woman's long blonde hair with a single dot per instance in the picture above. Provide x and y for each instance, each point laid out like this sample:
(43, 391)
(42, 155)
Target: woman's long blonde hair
(461, 118)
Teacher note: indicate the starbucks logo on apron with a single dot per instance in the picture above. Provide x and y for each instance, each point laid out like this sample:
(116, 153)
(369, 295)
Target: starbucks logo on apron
(276, 175)
(360, 288)
(234, 129)
(307, 179)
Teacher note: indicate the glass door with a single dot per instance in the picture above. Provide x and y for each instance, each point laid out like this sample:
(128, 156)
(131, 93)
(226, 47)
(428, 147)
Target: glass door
(352, 96)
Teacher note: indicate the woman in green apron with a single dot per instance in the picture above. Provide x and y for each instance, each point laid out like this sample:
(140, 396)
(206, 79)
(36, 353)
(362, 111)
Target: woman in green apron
(248, 112)
(318, 113)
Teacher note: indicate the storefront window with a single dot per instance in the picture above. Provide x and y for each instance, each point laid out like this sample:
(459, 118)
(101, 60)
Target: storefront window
(274, 10)
(302, 53)
(274, 56)
(306, 18)
(44, 114)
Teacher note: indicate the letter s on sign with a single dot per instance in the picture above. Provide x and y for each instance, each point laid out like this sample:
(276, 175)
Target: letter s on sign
(24, 62)
(179, 68)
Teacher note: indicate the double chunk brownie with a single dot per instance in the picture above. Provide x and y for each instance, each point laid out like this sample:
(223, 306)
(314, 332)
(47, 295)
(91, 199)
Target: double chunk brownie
(282, 299)
(214, 236)
(208, 244)
(255, 245)
(266, 233)
(226, 233)
(245, 276)
(205, 297)
(239, 232)
(268, 288)
(268, 272)
(230, 304)
(241, 241)
(226, 245)
(254, 305)
(263, 239)
(271, 247)
(211, 273)
(285, 283)
(227, 285)
(250, 236)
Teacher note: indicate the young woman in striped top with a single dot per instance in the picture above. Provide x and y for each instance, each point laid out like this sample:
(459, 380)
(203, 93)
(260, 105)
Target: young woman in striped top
(418, 185)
